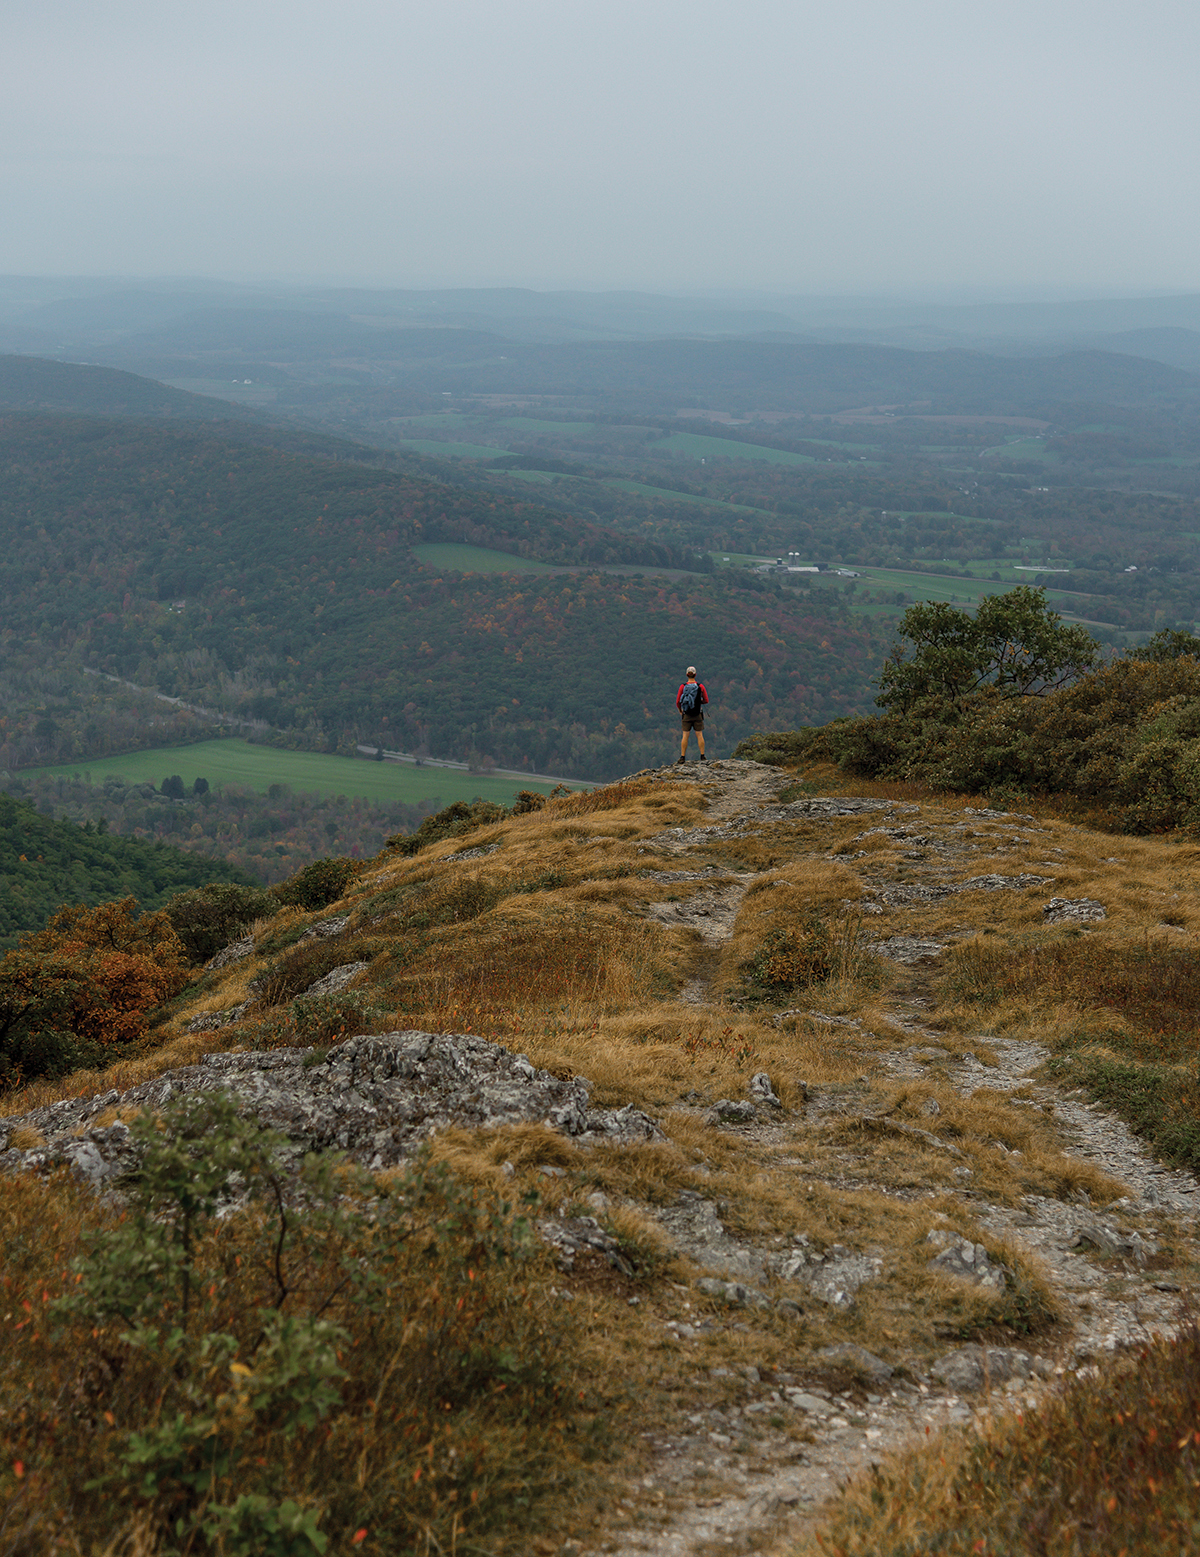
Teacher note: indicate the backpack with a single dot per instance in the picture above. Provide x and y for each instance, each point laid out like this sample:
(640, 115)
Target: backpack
(689, 698)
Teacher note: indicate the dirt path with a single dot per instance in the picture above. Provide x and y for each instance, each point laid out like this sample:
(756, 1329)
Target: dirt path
(735, 1478)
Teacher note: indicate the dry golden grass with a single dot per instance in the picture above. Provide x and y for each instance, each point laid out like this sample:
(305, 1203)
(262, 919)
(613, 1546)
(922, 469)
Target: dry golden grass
(1103, 1466)
(25, 1139)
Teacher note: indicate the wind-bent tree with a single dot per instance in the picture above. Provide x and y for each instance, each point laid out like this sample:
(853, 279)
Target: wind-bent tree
(1013, 642)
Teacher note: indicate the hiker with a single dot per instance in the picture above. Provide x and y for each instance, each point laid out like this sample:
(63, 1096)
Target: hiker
(690, 701)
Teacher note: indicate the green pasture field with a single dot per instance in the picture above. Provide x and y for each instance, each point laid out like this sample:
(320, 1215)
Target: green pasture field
(476, 559)
(699, 447)
(531, 424)
(459, 451)
(957, 591)
(258, 767)
(1023, 449)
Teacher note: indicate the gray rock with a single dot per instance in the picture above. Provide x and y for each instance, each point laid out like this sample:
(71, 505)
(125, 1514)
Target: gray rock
(907, 949)
(213, 1021)
(234, 952)
(325, 928)
(730, 1111)
(1064, 910)
(812, 1404)
(734, 1293)
(1001, 883)
(572, 1235)
(969, 1368)
(931, 1108)
(761, 1090)
(1111, 1241)
(473, 854)
(374, 1097)
(336, 980)
(858, 1359)
(834, 1277)
(967, 1261)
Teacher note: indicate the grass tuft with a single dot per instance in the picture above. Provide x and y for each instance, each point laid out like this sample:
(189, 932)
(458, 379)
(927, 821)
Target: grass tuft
(1104, 1467)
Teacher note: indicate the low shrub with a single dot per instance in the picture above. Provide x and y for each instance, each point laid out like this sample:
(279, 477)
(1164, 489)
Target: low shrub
(811, 950)
(207, 918)
(779, 748)
(239, 1363)
(318, 884)
(451, 821)
(299, 969)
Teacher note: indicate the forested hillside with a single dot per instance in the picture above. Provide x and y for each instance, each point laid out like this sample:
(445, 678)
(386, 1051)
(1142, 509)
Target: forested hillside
(283, 588)
(267, 837)
(45, 863)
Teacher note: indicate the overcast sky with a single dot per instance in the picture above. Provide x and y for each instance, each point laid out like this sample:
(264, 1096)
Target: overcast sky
(876, 146)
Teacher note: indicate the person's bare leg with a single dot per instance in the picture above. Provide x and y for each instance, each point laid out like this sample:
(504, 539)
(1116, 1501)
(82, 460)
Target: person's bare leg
(683, 744)
(700, 740)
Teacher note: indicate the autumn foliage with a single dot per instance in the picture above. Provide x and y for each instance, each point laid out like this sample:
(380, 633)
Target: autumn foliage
(83, 986)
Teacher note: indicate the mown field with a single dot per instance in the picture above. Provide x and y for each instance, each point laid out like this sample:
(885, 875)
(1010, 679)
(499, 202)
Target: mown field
(258, 767)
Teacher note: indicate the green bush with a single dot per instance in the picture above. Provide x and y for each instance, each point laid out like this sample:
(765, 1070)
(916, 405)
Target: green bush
(242, 1362)
(299, 969)
(318, 884)
(450, 822)
(779, 748)
(207, 918)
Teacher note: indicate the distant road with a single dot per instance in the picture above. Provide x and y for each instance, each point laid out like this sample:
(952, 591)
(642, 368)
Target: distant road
(463, 767)
(390, 756)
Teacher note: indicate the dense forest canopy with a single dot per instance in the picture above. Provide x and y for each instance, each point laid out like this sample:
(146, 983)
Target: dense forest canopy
(44, 863)
(283, 588)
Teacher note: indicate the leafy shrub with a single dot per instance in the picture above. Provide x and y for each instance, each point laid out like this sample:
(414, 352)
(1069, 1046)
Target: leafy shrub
(809, 951)
(443, 900)
(327, 1019)
(241, 1363)
(318, 884)
(794, 958)
(81, 988)
(207, 918)
(450, 822)
(297, 970)
(1125, 738)
(779, 748)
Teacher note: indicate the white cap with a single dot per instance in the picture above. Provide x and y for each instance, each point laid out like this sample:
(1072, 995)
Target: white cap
(691, 670)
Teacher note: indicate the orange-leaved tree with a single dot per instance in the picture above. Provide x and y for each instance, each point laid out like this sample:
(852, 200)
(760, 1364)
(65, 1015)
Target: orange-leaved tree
(82, 987)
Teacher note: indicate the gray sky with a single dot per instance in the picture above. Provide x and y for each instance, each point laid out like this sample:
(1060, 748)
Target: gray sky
(677, 145)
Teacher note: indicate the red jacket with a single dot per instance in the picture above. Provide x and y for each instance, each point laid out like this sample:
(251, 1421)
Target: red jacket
(703, 694)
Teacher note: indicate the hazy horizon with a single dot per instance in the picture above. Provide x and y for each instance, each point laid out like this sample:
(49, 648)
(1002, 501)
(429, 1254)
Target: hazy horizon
(869, 149)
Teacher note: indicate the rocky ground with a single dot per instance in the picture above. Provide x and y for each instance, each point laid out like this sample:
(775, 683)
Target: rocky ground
(760, 1443)
(736, 1478)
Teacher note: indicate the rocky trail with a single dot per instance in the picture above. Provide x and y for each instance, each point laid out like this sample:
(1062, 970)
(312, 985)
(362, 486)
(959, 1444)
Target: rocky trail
(736, 1478)
(751, 1446)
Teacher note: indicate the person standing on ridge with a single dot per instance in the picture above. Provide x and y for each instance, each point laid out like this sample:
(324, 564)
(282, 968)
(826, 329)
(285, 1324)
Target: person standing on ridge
(690, 701)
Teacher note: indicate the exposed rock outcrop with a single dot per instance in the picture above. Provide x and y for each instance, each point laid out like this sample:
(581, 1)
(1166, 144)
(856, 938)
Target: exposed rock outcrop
(375, 1098)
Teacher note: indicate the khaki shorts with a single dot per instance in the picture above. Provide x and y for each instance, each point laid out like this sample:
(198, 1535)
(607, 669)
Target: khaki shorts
(693, 721)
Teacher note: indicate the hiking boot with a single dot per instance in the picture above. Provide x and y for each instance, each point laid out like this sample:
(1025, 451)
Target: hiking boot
(678, 760)
(703, 758)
